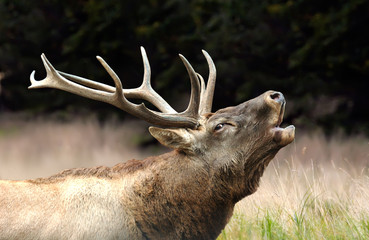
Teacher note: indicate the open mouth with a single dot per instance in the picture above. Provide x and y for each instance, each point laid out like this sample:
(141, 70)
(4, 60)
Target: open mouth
(281, 114)
(283, 136)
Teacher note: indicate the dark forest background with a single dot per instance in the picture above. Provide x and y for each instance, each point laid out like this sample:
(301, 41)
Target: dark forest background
(315, 52)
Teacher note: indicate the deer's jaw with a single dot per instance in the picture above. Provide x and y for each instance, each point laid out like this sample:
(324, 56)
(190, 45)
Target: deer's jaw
(283, 136)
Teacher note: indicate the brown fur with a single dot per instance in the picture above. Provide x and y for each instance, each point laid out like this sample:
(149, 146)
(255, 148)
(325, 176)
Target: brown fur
(188, 193)
(127, 167)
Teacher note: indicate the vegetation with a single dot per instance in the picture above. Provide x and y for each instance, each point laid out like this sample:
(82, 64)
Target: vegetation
(316, 52)
(316, 188)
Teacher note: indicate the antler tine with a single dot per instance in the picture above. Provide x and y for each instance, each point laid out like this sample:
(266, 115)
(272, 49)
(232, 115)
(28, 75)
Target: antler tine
(202, 85)
(207, 97)
(145, 91)
(193, 106)
(147, 69)
(55, 80)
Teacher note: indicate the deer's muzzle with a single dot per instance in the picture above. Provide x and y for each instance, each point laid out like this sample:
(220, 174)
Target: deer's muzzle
(282, 136)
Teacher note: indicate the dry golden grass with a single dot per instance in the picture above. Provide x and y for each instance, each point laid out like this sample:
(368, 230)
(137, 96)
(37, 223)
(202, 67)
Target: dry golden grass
(40, 148)
(316, 188)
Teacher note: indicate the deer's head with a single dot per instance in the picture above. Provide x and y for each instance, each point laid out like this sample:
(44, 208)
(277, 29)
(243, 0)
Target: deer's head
(241, 134)
(244, 134)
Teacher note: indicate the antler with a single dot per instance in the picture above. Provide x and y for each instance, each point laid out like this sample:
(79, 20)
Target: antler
(206, 99)
(117, 96)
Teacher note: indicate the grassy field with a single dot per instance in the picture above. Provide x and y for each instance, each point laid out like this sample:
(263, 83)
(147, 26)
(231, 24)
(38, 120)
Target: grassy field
(40, 148)
(316, 188)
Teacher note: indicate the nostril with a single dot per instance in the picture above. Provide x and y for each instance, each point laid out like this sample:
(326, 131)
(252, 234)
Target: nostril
(277, 96)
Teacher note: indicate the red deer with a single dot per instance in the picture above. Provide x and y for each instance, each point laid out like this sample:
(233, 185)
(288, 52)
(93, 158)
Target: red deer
(189, 193)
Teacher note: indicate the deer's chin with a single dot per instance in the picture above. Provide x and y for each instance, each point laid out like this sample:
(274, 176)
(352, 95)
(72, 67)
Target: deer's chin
(283, 136)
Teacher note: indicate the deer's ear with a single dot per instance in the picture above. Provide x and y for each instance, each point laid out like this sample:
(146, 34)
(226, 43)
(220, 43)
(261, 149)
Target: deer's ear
(174, 138)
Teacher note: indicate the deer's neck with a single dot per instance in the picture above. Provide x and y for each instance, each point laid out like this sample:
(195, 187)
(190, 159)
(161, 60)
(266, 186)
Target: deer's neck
(179, 198)
(244, 176)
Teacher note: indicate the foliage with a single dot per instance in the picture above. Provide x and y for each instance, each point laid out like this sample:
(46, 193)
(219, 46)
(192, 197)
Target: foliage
(316, 52)
(272, 226)
(316, 188)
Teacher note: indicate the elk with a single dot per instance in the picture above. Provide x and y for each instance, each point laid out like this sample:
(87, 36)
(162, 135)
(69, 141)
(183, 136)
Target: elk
(189, 193)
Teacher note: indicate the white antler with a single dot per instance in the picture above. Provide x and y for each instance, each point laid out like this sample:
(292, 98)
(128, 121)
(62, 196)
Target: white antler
(200, 101)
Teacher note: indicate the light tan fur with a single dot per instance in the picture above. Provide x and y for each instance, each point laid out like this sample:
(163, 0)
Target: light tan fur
(188, 193)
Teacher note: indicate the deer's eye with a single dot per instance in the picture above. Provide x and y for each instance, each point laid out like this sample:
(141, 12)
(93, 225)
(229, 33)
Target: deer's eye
(219, 126)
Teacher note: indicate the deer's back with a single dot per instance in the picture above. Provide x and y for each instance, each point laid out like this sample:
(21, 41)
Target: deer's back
(75, 208)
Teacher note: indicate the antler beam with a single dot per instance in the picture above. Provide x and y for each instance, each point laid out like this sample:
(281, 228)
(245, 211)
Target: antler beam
(200, 100)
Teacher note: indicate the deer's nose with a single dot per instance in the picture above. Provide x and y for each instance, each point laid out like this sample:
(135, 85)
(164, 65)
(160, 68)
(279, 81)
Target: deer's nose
(277, 97)
(274, 99)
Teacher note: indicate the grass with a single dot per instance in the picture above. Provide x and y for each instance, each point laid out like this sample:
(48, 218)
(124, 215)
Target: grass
(40, 148)
(316, 188)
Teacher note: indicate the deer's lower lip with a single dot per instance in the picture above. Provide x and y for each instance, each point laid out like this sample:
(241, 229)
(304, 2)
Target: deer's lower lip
(284, 136)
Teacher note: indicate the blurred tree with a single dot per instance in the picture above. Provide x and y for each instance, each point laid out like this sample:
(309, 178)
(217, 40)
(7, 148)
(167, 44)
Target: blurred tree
(330, 58)
(316, 52)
